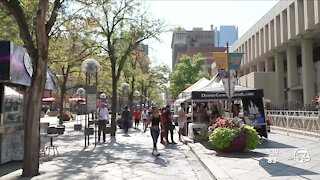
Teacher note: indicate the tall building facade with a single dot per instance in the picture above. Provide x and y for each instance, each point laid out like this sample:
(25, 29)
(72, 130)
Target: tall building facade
(182, 40)
(225, 34)
(202, 41)
(282, 52)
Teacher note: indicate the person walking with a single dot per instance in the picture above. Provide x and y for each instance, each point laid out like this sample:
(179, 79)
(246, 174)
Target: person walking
(163, 130)
(182, 119)
(137, 117)
(155, 120)
(103, 120)
(168, 126)
(145, 116)
(125, 116)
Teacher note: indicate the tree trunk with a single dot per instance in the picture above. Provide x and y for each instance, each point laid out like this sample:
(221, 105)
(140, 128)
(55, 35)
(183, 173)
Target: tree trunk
(62, 93)
(114, 102)
(32, 120)
(131, 95)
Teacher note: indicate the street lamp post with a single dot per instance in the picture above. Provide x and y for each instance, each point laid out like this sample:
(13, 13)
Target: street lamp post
(91, 68)
(137, 94)
(80, 94)
(125, 89)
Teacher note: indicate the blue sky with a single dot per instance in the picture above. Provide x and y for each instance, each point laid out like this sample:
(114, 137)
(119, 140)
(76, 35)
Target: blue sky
(202, 13)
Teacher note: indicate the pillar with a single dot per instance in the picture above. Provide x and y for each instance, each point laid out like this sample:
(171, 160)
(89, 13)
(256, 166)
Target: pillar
(291, 22)
(268, 64)
(292, 73)
(307, 70)
(253, 68)
(299, 16)
(279, 81)
(260, 66)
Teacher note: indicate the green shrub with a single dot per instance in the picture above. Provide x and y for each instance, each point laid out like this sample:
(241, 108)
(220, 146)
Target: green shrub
(222, 137)
(253, 138)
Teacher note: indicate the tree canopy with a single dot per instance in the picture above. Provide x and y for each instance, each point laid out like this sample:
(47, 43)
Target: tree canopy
(188, 71)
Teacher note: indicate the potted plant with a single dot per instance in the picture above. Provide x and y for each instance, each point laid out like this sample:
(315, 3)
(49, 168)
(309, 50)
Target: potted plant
(66, 116)
(232, 135)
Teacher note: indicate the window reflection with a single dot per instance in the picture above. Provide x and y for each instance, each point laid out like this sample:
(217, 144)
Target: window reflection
(13, 105)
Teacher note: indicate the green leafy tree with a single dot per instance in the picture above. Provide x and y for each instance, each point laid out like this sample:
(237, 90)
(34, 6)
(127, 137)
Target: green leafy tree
(156, 83)
(34, 30)
(121, 27)
(132, 73)
(188, 71)
(67, 52)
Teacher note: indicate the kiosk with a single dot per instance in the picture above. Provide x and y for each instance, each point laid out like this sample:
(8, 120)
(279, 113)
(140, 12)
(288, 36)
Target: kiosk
(15, 76)
(252, 102)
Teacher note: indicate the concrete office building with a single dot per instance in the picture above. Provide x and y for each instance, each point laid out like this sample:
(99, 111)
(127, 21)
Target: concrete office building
(225, 34)
(282, 52)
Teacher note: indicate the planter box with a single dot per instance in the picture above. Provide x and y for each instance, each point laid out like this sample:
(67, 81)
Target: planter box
(88, 131)
(60, 129)
(52, 130)
(238, 145)
(77, 127)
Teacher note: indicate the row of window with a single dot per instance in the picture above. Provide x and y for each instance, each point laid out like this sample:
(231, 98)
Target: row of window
(208, 36)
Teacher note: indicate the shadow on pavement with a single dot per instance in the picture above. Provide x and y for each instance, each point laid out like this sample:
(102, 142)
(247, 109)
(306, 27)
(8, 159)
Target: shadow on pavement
(79, 161)
(160, 161)
(250, 154)
(273, 144)
(10, 167)
(281, 169)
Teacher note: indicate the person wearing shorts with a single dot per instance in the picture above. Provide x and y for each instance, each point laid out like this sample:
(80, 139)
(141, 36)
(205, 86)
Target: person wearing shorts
(137, 117)
(144, 116)
(155, 120)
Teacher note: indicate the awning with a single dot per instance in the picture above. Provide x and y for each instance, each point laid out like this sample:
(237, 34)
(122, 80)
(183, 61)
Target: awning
(77, 99)
(48, 99)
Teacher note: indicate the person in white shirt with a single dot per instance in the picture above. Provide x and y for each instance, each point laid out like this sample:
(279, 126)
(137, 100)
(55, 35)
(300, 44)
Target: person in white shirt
(145, 116)
(182, 119)
(103, 120)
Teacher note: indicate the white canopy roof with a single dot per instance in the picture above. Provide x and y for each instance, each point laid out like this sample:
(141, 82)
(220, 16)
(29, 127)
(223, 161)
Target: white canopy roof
(11, 93)
(201, 83)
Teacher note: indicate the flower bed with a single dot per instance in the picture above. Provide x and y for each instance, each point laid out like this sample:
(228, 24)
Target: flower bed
(232, 135)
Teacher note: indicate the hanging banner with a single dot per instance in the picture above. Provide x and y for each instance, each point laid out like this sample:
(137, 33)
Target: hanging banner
(228, 66)
(235, 60)
(221, 60)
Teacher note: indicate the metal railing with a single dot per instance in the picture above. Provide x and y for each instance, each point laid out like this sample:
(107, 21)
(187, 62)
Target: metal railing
(305, 121)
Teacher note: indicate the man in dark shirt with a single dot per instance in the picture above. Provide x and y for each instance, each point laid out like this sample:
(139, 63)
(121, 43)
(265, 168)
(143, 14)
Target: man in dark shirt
(169, 127)
(125, 116)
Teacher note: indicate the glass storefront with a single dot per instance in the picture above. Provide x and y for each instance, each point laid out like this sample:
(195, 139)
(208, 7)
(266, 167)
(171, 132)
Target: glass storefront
(13, 105)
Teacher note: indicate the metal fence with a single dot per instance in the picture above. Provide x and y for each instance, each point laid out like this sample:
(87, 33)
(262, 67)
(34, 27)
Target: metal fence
(305, 121)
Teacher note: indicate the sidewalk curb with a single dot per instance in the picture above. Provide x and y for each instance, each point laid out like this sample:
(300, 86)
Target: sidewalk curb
(187, 141)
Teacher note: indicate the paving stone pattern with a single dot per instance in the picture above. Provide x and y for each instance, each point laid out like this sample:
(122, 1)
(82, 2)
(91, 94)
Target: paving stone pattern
(125, 157)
